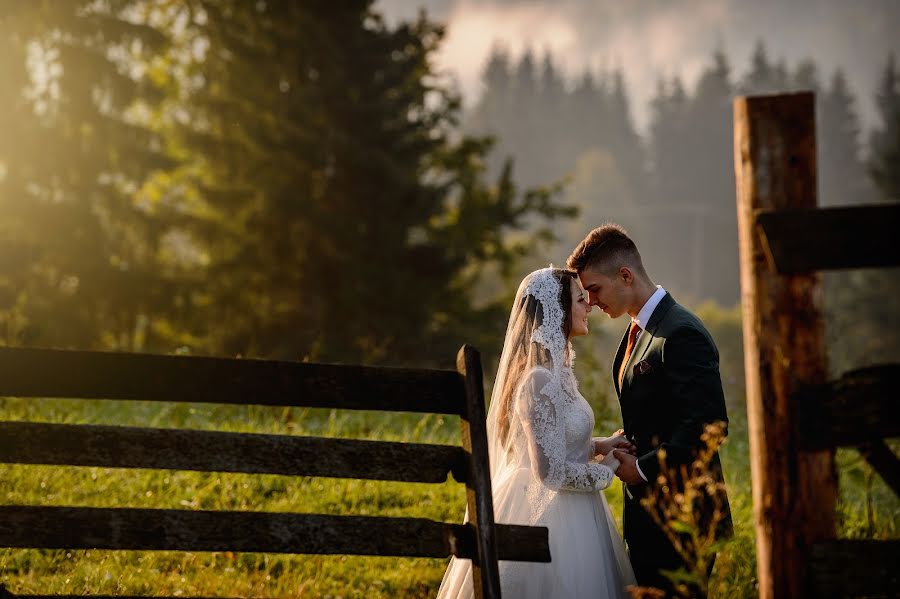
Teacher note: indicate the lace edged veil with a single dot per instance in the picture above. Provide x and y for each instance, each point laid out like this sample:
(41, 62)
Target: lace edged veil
(535, 343)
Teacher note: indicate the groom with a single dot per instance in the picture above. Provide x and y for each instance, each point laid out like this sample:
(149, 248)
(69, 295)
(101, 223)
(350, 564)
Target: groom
(666, 373)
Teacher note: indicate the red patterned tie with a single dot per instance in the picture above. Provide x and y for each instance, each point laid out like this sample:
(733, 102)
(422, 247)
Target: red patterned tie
(633, 331)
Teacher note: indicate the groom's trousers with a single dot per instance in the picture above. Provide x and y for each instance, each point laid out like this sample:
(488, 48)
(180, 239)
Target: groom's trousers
(651, 551)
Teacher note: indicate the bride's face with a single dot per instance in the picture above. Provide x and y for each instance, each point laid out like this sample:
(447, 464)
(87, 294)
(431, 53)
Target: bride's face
(580, 309)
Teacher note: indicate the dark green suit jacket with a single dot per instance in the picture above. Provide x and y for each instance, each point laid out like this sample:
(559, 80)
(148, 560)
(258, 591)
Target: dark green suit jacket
(671, 390)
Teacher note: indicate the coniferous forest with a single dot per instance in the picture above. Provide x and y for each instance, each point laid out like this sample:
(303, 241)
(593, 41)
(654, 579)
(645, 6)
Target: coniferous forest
(303, 174)
(281, 180)
(674, 185)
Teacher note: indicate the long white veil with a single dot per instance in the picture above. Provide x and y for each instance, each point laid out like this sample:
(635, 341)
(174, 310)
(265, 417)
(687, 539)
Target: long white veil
(534, 403)
(535, 343)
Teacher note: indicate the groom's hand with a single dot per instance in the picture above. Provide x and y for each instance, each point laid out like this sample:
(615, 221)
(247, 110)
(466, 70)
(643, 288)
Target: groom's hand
(627, 471)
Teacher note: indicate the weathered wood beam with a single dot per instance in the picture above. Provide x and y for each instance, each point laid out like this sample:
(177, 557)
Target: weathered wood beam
(885, 463)
(479, 502)
(178, 449)
(852, 410)
(807, 240)
(848, 568)
(794, 492)
(26, 372)
(55, 527)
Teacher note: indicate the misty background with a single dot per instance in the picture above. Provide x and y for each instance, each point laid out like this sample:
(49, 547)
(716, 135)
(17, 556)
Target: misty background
(653, 40)
(632, 102)
(369, 182)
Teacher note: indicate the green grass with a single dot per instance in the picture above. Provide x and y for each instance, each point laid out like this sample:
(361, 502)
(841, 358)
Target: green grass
(225, 574)
(264, 575)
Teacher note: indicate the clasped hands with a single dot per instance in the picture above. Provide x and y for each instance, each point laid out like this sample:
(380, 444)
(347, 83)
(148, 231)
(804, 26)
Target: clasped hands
(620, 454)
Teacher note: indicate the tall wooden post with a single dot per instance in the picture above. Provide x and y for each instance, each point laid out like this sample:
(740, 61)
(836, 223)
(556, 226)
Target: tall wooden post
(479, 498)
(794, 491)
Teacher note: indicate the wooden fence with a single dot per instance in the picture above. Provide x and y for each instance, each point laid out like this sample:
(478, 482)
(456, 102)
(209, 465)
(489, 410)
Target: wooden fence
(797, 418)
(86, 375)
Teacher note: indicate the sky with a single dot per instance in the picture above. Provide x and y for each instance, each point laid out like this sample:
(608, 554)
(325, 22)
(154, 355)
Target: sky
(653, 39)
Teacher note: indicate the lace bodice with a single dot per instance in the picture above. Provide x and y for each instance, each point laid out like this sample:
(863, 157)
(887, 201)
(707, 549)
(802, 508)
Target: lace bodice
(558, 423)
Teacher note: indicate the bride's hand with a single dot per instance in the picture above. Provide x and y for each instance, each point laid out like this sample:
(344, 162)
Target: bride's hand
(618, 440)
(612, 461)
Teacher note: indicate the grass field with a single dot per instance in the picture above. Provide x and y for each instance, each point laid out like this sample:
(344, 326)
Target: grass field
(867, 508)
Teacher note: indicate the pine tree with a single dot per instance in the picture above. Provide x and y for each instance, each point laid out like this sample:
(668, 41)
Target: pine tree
(348, 220)
(862, 324)
(623, 139)
(88, 272)
(524, 122)
(551, 126)
(884, 144)
(587, 112)
(806, 77)
(668, 121)
(491, 114)
(842, 176)
(709, 145)
(762, 77)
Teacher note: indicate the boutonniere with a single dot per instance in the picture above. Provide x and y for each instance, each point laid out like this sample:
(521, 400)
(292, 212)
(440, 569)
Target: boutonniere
(643, 367)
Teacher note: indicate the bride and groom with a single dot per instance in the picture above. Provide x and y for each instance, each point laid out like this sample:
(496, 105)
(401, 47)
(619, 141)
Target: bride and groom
(547, 470)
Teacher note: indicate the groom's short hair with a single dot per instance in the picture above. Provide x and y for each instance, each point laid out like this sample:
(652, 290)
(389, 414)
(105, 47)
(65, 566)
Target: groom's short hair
(606, 249)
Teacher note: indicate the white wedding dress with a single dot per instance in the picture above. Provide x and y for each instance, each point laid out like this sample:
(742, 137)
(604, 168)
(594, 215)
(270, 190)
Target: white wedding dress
(542, 472)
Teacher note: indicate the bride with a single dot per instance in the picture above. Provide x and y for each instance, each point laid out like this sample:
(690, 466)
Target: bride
(544, 470)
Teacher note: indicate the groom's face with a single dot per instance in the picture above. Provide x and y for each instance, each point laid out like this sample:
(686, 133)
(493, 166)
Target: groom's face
(610, 294)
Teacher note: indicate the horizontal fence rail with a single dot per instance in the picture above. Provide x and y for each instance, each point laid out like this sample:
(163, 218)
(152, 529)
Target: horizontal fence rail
(28, 372)
(884, 461)
(178, 449)
(53, 527)
(851, 410)
(8, 595)
(851, 568)
(806, 240)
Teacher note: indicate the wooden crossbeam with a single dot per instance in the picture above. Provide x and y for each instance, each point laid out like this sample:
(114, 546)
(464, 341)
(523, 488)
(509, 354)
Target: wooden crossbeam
(176, 449)
(55, 527)
(885, 463)
(806, 240)
(850, 568)
(850, 411)
(26, 372)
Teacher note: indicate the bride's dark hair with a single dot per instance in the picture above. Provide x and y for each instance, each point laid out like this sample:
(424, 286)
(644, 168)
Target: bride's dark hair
(529, 354)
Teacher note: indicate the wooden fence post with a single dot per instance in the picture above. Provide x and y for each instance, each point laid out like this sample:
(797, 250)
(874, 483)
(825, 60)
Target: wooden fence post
(485, 569)
(794, 491)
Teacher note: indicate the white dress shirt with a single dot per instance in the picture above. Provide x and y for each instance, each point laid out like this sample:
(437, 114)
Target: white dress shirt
(642, 319)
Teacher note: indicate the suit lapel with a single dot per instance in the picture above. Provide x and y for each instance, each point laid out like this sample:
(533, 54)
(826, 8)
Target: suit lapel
(644, 339)
(618, 359)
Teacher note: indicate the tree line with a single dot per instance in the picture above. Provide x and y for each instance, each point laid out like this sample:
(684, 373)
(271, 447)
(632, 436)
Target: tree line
(296, 180)
(674, 186)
